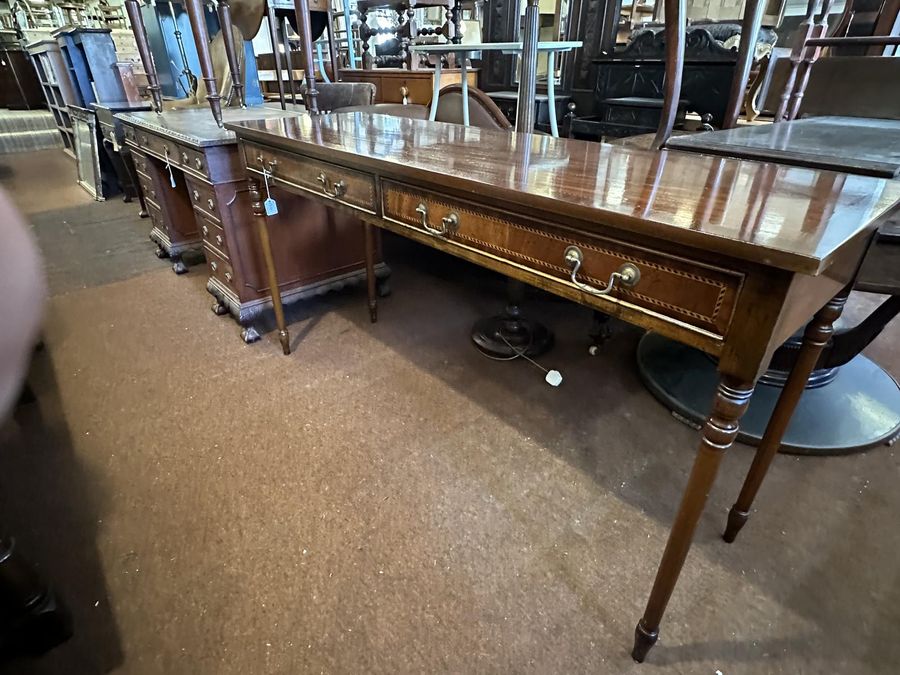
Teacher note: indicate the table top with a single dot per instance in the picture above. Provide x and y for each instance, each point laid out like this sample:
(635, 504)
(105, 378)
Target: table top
(562, 46)
(851, 144)
(787, 217)
(121, 106)
(195, 125)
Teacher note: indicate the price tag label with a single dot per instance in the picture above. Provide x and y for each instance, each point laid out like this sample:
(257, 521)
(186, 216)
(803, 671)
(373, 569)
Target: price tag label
(270, 206)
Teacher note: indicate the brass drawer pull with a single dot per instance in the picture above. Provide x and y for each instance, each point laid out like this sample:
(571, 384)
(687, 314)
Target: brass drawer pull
(211, 204)
(219, 239)
(228, 277)
(449, 223)
(205, 231)
(199, 164)
(184, 158)
(213, 266)
(627, 275)
(337, 190)
(196, 196)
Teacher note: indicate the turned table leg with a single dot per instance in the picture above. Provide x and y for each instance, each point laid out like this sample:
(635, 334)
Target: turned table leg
(732, 397)
(194, 10)
(818, 333)
(262, 224)
(237, 77)
(370, 271)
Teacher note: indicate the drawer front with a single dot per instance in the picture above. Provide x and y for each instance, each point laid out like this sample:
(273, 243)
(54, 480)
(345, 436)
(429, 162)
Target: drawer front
(203, 198)
(147, 188)
(213, 235)
(691, 292)
(156, 217)
(154, 144)
(192, 160)
(343, 185)
(140, 162)
(219, 267)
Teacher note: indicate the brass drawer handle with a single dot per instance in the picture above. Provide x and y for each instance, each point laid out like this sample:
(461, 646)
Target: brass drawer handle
(449, 223)
(199, 164)
(228, 277)
(211, 204)
(219, 239)
(627, 275)
(213, 266)
(196, 196)
(184, 158)
(337, 190)
(205, 231)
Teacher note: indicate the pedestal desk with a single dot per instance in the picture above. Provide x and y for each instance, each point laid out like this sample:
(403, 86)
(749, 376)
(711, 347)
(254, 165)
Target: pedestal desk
(626, 231)
(195, 190)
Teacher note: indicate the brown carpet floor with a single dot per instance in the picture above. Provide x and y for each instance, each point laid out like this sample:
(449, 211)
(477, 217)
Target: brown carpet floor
(386, 500)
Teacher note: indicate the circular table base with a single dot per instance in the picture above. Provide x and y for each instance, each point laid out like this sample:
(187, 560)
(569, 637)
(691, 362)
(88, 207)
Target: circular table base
(859, 409)
(500, 337)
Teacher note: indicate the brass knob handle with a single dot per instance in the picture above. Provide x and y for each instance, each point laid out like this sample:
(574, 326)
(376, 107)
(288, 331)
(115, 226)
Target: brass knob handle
(199, 164)
(213, 266)
(228, 277)
(219, 239)
(628, 275)
(205, 231)
(184, 158)
(449, 223)
(211, 204)
(196, 196)
(337, 189)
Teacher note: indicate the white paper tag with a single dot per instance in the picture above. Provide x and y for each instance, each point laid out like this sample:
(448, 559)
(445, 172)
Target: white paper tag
(270, 206)
(171, 178)
(553, 378)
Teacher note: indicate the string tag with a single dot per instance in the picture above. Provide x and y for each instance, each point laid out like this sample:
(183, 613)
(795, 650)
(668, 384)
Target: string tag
(553, 378)
(269, 204)
(169, 169)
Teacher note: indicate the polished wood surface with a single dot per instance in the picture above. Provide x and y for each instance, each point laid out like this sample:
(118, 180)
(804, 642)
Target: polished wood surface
(851, 144)
(651, 237)
(640, 192)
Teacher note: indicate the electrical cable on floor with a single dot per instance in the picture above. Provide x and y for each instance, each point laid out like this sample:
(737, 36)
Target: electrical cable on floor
(552, 377)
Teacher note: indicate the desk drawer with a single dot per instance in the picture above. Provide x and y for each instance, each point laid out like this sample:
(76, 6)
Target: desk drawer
(688, 291)
(147, 188)
(140, 162)
(213, 235)
(219, 266)
(347, 186)
(193, 160)
(203, 197)
(157, 145)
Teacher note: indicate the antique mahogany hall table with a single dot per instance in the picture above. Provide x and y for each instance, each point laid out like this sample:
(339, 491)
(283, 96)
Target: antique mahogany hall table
(630, 232)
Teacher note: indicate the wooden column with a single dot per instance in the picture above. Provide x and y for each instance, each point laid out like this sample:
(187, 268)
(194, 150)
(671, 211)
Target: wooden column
(301, 8)
(804, 32)
(194, 10)
(262, 226)
(810, 56)
(817, 335)
(675, 39)
(234, 63)
(753, 15)
(730, 403)
(140, 36)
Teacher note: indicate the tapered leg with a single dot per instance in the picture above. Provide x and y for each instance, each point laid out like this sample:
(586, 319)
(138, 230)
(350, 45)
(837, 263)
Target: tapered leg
(370, 271)
(194, 9)
(263, 229)
(719, 433)
(817, 335)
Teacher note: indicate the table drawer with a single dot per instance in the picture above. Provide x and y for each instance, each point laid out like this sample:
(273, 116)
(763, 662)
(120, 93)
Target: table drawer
(213, 235)
(203, 197)
(700, 295)
(140, 162)
(219, 266)
(193, 160)
(343, 185)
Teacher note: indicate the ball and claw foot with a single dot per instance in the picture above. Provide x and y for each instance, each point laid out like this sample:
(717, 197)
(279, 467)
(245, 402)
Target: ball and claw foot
(219, 308)
(736, 520)
(249, 334)
(643, 641)
(179, 267)
(383, 287)
(161, 252)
